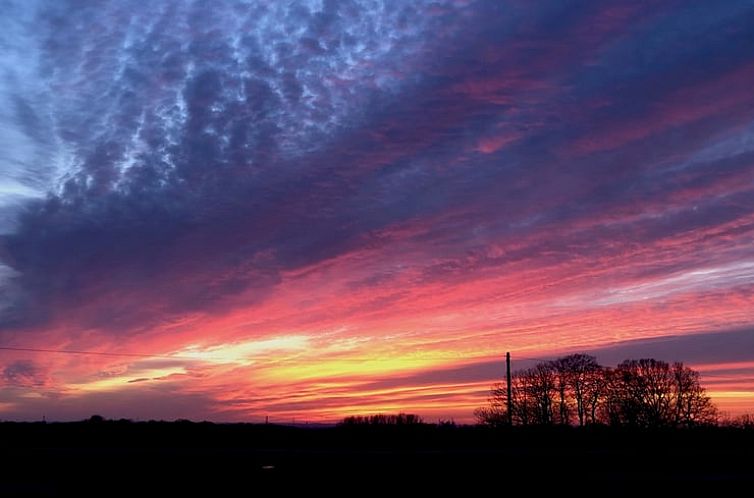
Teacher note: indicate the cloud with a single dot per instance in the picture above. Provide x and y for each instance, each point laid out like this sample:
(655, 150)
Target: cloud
(453, 176)
(196, 164)
(702, 348)
(141, 379)
(24, 373)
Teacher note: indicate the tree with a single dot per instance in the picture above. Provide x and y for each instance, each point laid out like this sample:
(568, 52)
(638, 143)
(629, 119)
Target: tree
(400, 419)
(610, 407)
(692, 405)
(583, 371)
(522, 402)
(643, 393)
(536, 387)
(495, 414)
(653, 393)
(580, 375)
(564, 406)
(595, 392)
(745, 421)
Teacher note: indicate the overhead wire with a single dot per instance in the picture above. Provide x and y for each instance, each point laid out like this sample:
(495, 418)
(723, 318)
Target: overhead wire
(97, 353)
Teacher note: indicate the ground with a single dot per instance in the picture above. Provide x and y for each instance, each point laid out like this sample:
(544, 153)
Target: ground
(121, 458)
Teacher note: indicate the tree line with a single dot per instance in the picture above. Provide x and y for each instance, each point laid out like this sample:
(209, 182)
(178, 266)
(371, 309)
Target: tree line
(576, 390)
(382, 420)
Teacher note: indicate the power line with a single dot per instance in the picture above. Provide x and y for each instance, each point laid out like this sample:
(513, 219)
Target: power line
(98, 353)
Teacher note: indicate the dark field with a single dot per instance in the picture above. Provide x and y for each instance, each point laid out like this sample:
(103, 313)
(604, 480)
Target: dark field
(140, 459)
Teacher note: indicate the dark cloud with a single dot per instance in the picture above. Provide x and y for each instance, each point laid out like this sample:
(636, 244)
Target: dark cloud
(724, 346)
(24, 373)
(141, 379)
(205, 147)
(719, 347)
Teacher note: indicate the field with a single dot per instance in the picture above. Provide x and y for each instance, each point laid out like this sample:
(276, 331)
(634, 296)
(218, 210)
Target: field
(124, 458)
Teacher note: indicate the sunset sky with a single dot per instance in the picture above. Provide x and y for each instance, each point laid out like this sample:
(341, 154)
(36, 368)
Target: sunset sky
(308, 209)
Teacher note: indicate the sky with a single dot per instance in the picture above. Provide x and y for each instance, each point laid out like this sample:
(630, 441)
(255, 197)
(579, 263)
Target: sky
(309, 209)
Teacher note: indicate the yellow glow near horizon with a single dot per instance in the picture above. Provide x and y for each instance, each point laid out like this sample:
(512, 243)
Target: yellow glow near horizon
(243, 352)
(125, 381)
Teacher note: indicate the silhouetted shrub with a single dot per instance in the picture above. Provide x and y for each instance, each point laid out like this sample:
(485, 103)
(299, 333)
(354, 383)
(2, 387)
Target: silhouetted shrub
(401, 419)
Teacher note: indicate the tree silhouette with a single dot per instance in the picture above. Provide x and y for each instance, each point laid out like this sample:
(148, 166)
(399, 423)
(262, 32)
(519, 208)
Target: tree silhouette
(654, 393)
(582, 372)
(645, 388)
(692, 405)
(402, 419)
(595, 392)
(541, 383)
(564, 406)
(578, 377)
(641, 393)
(495, 414)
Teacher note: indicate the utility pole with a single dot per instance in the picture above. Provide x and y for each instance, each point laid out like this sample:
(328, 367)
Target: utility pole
(508, 384)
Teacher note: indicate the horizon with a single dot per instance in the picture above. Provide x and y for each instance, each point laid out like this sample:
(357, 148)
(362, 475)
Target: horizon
(316, 209)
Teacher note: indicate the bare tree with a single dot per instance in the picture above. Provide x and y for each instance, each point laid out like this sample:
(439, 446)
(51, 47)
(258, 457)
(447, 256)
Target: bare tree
(595, 392)
(645, 393)
(495, 414)
(580, 375)
(611, 408)
(523, 402)
(561, 380)
(539, 383)
(382, 419)
(745, 421)
(654, 394)
(692, 405)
